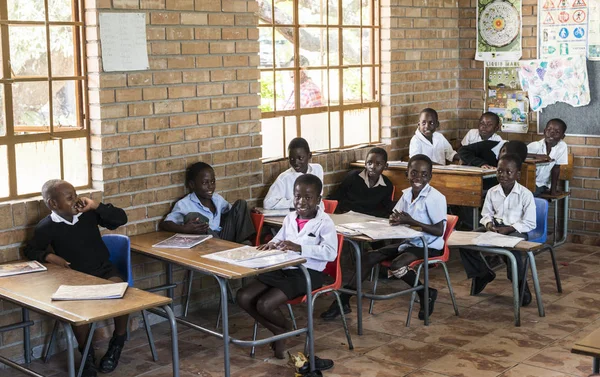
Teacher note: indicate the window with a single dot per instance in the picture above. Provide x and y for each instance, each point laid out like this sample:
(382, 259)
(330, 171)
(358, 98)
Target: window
(320, 73)
(42, 96)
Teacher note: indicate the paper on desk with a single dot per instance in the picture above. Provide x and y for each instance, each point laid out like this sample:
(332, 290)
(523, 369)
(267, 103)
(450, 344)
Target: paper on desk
(182, 241)
(274, 212)
(347, 232)
(242, 254)
(382, 230)
(272, 260)
(496, 239)
(89, 292)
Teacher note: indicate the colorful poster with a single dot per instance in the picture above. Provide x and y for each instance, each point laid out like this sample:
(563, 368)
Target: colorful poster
(593, 49)
(548, 81)
(498, 30)
(563, 28)
(505, 97)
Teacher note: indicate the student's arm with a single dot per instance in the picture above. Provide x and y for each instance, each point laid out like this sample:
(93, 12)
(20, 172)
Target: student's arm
(326, 249)
(414, 147)
(450, 153)
(561, 158)
(527, 223)
(174, 222)
(275, 243)
(38, 248)
(469, 154)
(110, 217)
(487, 211)
(275, 198)
(436, 229)
(554, 174)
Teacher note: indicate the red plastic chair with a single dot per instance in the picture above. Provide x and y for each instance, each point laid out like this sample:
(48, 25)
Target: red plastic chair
(258, 220)
(333, 269)
(451, 221)
(393, 192)
(330, 205)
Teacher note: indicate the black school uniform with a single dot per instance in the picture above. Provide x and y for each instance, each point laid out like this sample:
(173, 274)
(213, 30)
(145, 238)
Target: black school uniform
(354, 194)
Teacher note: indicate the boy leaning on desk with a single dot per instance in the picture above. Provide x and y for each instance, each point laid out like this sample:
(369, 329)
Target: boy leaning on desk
(71, 230)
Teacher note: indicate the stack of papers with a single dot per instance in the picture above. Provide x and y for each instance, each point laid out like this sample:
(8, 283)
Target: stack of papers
(251, 257)
(89, 292)
(274, 212)
(18, 268)
(183, 241)
(496, 239)
(382, 230)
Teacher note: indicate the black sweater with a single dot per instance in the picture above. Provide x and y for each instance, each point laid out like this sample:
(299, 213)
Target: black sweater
(478, 154)
(80, 244)
(354, 195)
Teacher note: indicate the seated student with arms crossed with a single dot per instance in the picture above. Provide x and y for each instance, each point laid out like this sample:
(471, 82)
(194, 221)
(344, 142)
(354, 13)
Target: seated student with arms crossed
(308, 231)
(430, 143)
(552, 145)
(423, 206)
(72, 232)
(480, 147)
(203, 211)
(367, 191)
(281, 192)
(509, 208)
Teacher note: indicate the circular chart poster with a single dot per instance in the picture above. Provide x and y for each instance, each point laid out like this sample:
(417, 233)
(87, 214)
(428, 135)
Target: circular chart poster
(499, 23)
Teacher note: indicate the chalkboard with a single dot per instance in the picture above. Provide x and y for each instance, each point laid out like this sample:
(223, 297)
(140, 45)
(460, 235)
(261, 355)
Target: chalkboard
(581, 121)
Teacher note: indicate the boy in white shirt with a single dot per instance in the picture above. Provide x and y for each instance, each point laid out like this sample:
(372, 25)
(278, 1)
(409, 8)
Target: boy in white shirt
(509, 209)
(552, 145)
(430, 143)
(281, 192)
(489, 124)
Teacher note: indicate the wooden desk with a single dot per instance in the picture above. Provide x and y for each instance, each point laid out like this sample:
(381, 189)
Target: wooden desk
(589, 346)
(465, 240)
(33, 291)
(221, 271)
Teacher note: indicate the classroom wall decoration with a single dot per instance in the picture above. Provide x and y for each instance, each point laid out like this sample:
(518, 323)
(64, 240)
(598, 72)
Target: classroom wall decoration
(123, 41)
(505, 97)
(498, 30)
(593, 47)
(563, 27)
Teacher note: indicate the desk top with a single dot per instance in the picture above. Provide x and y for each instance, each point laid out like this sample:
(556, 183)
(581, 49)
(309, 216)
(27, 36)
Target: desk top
(439, 169)
(466, 239)
(193, 258)
(35, 289)
(590, 345)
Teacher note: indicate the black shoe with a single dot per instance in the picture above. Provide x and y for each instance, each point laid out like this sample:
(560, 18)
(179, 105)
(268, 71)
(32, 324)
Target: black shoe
(89, 368)
(479, 284)
(334, 311)
(526, 296)
(110, 360)
(320, 364)
(432, 298)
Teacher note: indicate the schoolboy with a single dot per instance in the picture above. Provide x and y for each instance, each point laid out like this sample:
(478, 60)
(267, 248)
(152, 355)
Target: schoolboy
(367, 191)
(489, 124)
(281, 192)
(72, 232)
(509, 209)
(423, 206)
(553, 146)
(203, 211)
(430, 143)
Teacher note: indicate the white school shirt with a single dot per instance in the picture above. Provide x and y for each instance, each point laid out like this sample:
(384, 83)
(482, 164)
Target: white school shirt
(559, 154)
(281, 192)
(439, 151)
(516, 210)
(473, 137)
(318, 239)
(428, 208)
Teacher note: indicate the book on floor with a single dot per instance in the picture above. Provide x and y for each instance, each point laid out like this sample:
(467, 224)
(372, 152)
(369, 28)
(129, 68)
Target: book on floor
(183, 241)
(90, 292)
(25, 267)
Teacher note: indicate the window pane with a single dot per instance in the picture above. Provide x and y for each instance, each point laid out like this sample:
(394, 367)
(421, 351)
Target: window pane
(272, 137)
(28, 55)
(351, 12)
(334, 125)
(75, 157)
(36, 163)
(366, 46)
(355, 131)
(290, 130)
(284, 12)
(334, 55)
(367, 12)
(61, 46)
(266, 46)
(30, 107)
(64, 105)
(313, 46)
(334, 87)
(352, 90)
(311, 94)
(267, 92)
(368, 92)
(26, 10)
(375, 124)
(59, 10)
(312, 12)
(284, 86)
(351, 46)
(3, 172)
(2, 116)
(266, 12)
(315, 129)
(284, 49)
(334, 12)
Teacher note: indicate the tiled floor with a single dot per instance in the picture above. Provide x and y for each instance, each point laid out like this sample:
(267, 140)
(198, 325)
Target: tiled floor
(481, 342)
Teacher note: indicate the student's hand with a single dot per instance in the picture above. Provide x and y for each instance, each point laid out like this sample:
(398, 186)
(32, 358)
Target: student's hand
(195, 227)
(555, 191)
(505, 229)
(267, 246)
(401, 218)
(394, 220)
(490, 227)
(59, 261)
(85, 204)
(486, 166)
(289, 245)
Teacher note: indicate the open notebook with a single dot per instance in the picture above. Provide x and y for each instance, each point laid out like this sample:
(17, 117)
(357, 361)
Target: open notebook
(183, 241)
(89, 292)
(9, 269)
(251, 257)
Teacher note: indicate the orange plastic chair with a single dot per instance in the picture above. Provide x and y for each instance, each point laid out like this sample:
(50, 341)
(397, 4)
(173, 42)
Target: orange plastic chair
(393, 192)
(258, 220)
(451, 221)
(333, 269)
(330, 205)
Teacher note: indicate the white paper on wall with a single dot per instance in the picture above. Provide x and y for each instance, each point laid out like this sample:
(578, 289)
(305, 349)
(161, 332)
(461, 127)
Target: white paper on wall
(123, 41)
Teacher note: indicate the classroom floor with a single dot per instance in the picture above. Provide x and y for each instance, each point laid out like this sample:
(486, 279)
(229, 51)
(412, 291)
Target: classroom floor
(481, 342)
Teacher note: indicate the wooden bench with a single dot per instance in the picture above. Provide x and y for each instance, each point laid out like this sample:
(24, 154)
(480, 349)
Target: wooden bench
(589, 346)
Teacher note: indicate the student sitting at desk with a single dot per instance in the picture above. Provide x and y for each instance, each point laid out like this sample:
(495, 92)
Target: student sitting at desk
(509, 208)
(430, 143)
(203, 211)
(480, 147)
(485, 154)
(422, 206)
(552, 145)
(367, 191)
(489, 124)
(72, 232)
(281, 192)
(308, 231)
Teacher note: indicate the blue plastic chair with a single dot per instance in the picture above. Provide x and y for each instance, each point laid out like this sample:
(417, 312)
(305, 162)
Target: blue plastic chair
(119, 248)
(540, 234)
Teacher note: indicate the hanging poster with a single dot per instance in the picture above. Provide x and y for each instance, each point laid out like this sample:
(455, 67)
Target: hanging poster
(505, 97)
(593, 49)
(498, 30)
(563, 28)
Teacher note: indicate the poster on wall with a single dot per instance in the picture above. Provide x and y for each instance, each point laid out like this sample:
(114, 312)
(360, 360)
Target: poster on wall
(593, 47)
(563, 28)
(123, 41)
(505, 97)
(498, 30)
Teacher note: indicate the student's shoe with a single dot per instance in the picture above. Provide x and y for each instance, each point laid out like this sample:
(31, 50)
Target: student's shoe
(479, 284)
(526, 295)
(432, 297)
(334, 311)
(110, 360)
(320, 364)
(89, 368)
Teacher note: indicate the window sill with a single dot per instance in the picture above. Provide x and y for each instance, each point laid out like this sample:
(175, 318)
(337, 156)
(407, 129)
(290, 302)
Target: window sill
(89, 192)
(320, 153)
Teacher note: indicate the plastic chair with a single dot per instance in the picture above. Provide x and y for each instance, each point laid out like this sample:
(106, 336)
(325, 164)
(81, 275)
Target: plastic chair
(258, 220)
(539, 235)
(119, 249)
(330, 205)
(451, 221)
(393, 192)
(333, 269)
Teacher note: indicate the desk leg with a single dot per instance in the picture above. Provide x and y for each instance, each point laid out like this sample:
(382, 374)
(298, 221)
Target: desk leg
(86, 349)
(174, 341)
(536, 284)
(515, 285)
(170, 291)
(425, 280)
(70, 346)
(26, 336)
(358, 263)
(596, 365)
(309, 319)
(225, 318)
(475, 218)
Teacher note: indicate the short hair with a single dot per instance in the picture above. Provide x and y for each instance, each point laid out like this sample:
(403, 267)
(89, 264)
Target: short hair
(512, 157)
(492, 115)
(49, 189)
(560, 122)
(299, 142)
(194, 169)
(430, 111)
(309, 179)
(421, 157)
(380, 151)
(516, 147)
